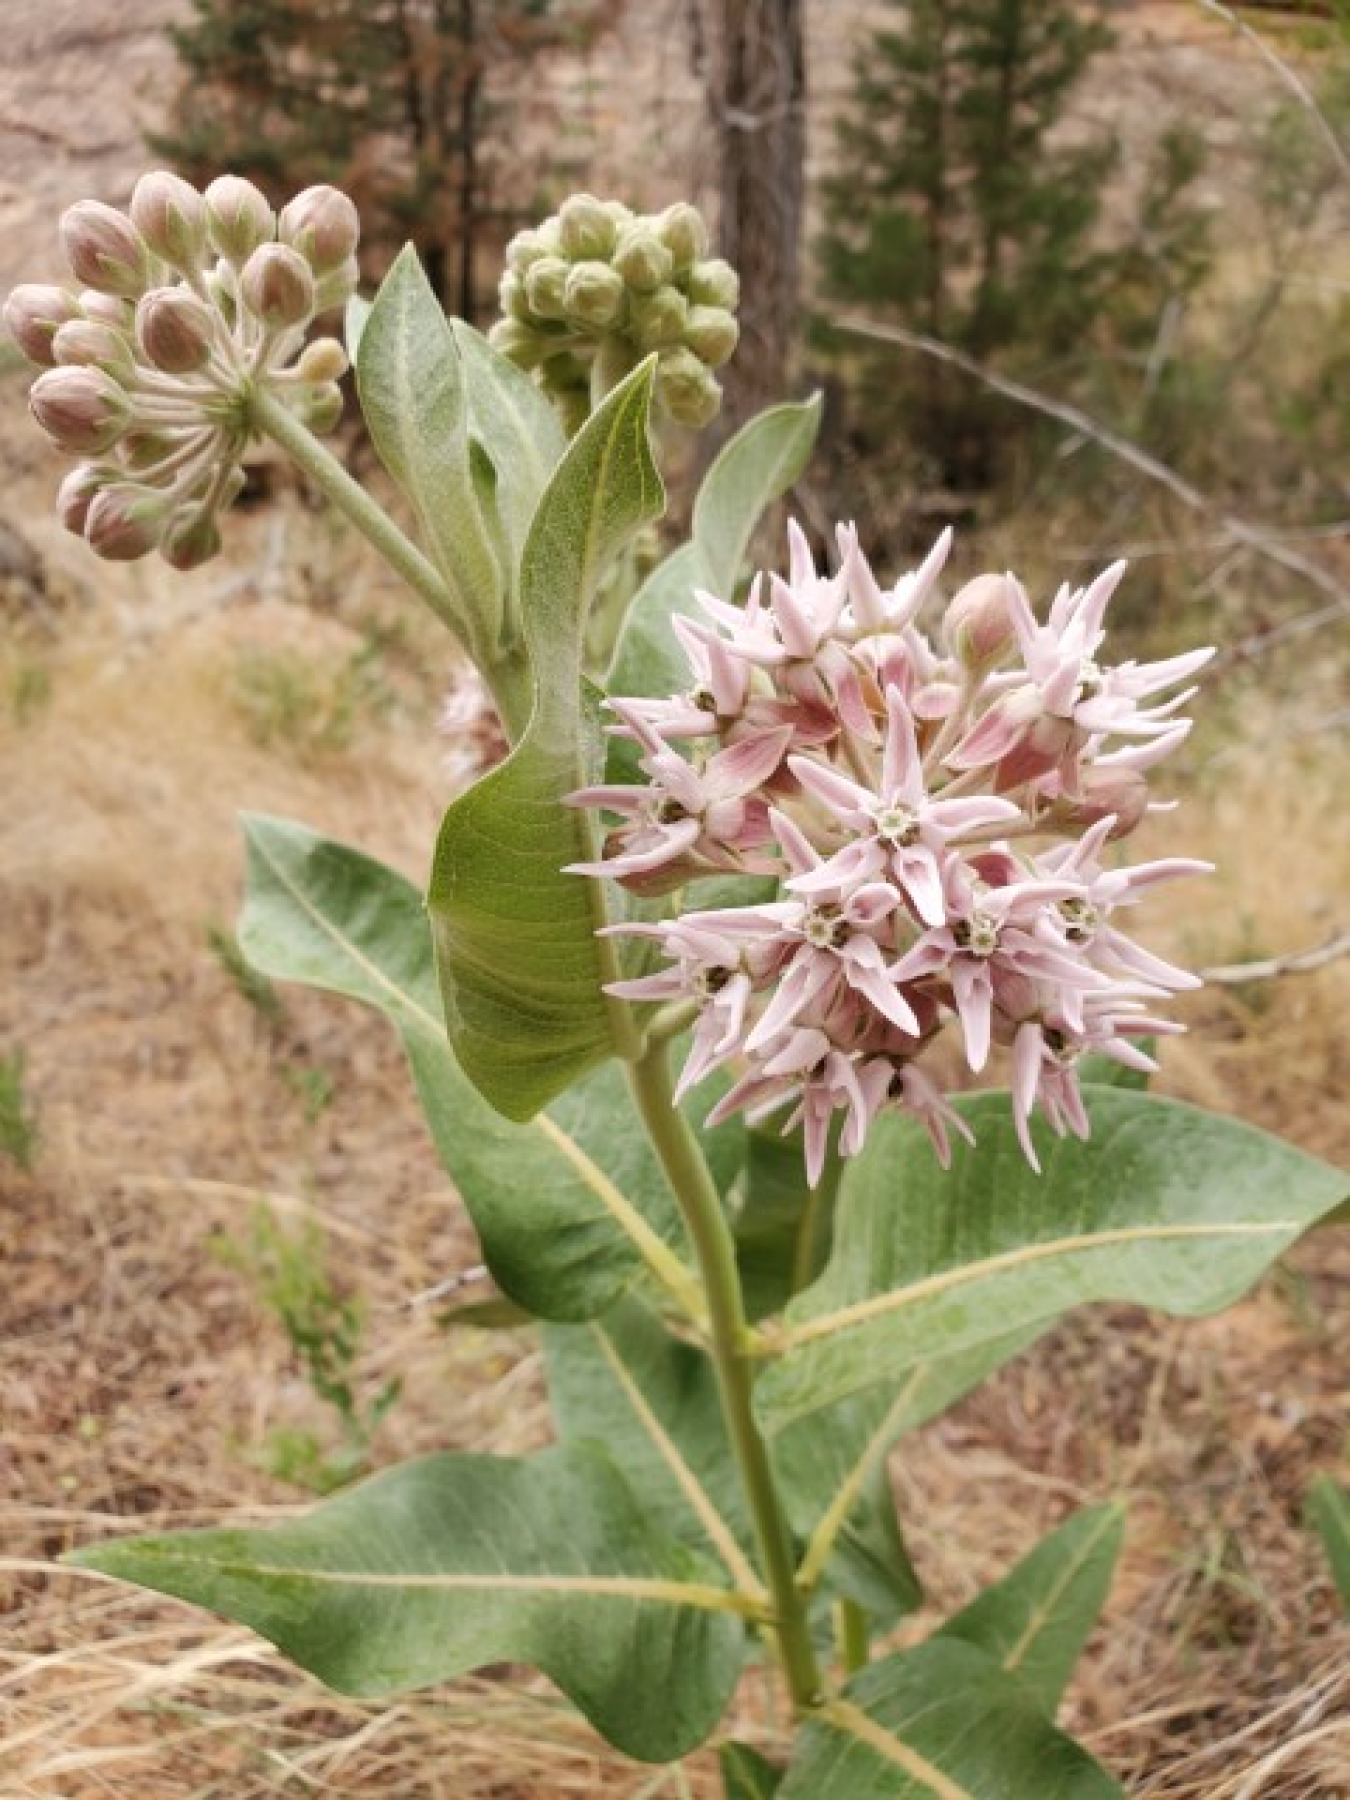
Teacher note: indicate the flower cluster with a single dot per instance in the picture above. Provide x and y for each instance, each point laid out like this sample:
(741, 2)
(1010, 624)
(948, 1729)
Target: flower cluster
(938, 811)
(596, 288)
(190, 303)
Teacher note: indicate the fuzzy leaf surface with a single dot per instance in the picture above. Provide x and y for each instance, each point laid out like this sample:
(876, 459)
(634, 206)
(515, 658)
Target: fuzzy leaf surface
(556, 1202)
(1166, 1206)
(521, 968)
(453, 1561)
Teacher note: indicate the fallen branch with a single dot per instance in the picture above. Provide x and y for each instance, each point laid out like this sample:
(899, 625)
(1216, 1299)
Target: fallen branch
(1296, 962)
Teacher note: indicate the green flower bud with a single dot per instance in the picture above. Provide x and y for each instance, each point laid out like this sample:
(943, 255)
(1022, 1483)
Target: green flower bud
(191, 540)
(682, 231)
(75, 493)
(685, 389)
(586, 230)
(337, 286)
(174, 328)
(546, 287)
(34, 313)
(714, 283)
(125, 521)
(89, 343)
(323, 225)
(712, 334)
(276, 286)
(526, 248)
(525, 347)
(594, 296)
(658, 319)
(323, 360)
(238, 218)
(513, 299)
(83, 410)
(321, 407)
(170, 215)
(105, 249)
(622, 215)
(642, 259)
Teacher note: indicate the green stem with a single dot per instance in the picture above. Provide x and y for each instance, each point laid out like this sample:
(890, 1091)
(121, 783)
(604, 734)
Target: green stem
(730, 1346)
(510, 681)
(851, 1636)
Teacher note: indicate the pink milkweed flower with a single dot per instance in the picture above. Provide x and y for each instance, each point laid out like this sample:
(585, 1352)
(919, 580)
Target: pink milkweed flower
(914, 1090)
(902, 834)
(871, 610)
(806, 1067)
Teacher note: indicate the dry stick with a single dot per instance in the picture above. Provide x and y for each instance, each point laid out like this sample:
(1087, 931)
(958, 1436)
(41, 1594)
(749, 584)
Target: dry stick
(1289, 76)
(1264, 541)
(1294, 962)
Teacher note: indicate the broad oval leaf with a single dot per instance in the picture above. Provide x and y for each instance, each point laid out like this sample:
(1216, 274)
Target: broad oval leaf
(1035, 1622)
(942, 1722)
(1166, 1206)
(452, 1561)
(569, 1206)
(411, 385)
(521, 968)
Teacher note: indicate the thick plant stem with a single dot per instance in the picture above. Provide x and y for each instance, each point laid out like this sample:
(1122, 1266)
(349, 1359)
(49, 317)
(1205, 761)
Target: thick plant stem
(510, 682)
(730, 1345)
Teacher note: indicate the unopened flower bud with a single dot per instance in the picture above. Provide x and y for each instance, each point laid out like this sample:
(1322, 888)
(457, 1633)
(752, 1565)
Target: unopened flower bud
(337, 286)
(89, 343)
(174, 329)
(321, 407)
(191, 540)
(686, 390)
(238, 218)
(171, 216)
(105, 249)
(513, 299)
(714, 283)
(978, 626)
(75, 494)
(323, 225)
(526, 248)
(34, 313)
(525, 346)
(108, 308)
(546, 287)
(323, 360)
(585, 228)
(682, 231)
(1103, 789)
(277, 286)
(125, 521)
(83, 410)
(712, 334)
(642, 259)
(594, 295)
(659, 319)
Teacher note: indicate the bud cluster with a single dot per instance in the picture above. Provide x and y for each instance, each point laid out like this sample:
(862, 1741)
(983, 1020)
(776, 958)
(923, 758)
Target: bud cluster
(938, 811)
(190, 303)
(596, 288)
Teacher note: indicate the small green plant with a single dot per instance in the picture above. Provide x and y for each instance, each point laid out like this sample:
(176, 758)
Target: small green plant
(289, 1271)
(19, 1131)
(30, 689)
(290, 703)
(313, 1086)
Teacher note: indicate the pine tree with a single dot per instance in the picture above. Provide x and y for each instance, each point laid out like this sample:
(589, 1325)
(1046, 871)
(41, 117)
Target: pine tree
(388, 99)
(954, 208)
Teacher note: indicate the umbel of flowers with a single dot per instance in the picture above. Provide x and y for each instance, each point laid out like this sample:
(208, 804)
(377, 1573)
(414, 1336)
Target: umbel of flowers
(188, 303)
(940, 812)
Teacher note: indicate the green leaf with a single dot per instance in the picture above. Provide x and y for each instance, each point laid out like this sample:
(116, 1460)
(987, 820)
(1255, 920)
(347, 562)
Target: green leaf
(782, 1226)
(453, 1561)
(753, 469)
(1035, 1622)
(354, 323)
(745, 1773)
(624, 1382)
(411, 384)
(1329, 1513)
(942, 1722)
(521, 968)
(569, 1206)
(1166, 1206)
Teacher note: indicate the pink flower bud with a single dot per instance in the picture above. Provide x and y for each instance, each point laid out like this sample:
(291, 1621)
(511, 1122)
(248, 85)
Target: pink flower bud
(174, 329)
(1102, 790)
(238, 217)
(192, 539)
(978, 626)
(323, 225)
(107, 308)
(75, 494)
(171, 216)
(276, 286)
(125, 521)
(91, 343)
(83, 410)
(105, 249)
(34, 313)
(323, 360)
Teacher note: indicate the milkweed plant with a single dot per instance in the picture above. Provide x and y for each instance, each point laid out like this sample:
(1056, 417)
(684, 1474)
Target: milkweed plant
(672, 998)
